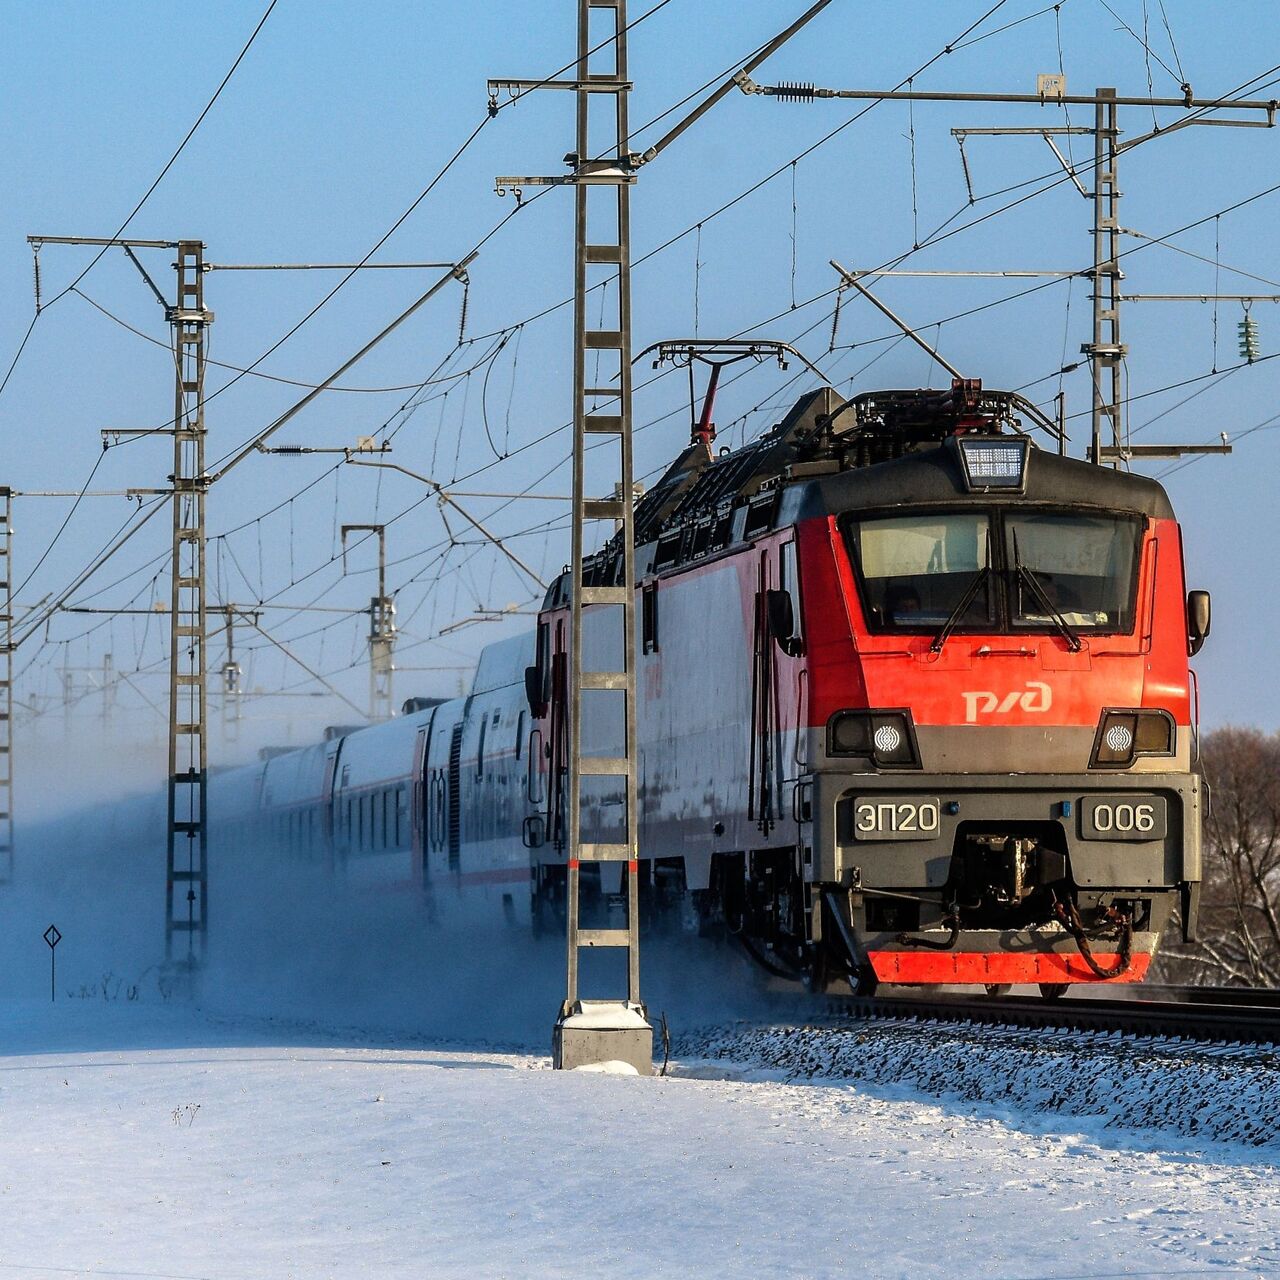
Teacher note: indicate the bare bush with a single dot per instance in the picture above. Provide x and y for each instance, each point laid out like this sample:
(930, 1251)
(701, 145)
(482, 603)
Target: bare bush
(1239, 932)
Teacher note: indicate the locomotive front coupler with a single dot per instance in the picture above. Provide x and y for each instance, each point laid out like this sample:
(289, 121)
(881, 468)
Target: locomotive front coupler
(1003, 869)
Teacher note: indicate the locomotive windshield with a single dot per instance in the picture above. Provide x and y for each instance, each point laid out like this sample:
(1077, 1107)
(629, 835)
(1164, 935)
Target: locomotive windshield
(1002, 570)
(917, 569)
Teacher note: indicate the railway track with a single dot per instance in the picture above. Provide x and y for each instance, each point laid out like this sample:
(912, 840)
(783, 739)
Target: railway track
(1224, 1015)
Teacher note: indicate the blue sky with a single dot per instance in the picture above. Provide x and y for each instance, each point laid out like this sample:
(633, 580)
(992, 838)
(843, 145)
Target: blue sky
(341, 113)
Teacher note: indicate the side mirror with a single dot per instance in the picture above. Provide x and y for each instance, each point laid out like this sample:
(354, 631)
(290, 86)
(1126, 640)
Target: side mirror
(534, 692)
(533, 832)
(782, 621)
(1198, 619)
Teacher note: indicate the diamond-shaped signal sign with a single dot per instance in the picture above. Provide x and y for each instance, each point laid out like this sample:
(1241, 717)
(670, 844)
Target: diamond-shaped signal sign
(52, 936)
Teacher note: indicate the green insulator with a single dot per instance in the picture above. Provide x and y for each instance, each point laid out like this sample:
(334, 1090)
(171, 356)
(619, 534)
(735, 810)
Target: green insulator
(1248, 330)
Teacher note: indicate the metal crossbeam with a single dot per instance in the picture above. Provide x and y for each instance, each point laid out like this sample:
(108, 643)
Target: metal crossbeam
(186, 910)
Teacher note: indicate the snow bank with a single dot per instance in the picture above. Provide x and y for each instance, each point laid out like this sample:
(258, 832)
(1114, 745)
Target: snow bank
(1213, 1093)
(142, 1140)
(611, 1068)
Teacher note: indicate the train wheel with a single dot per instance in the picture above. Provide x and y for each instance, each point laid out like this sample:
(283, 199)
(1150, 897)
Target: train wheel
(1053, 990)
(998, 988)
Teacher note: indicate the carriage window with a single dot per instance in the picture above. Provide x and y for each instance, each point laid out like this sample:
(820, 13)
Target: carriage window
(542, 660)
(917, 570)
(789, 573)
(649, 618)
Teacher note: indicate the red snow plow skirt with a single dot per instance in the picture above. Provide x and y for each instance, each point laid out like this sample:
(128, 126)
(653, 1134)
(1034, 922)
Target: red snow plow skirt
(937, 967)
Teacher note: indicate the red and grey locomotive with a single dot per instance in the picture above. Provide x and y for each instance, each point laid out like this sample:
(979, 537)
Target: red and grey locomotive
(914, 707)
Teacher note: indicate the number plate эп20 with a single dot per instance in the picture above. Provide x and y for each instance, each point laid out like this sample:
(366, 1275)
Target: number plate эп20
(895, 819)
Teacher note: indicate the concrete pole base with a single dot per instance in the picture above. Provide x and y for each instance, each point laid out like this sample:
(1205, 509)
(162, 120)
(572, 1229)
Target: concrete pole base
(595, 1032)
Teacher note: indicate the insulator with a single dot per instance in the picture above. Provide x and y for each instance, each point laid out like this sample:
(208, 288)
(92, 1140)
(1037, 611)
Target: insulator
(1248, 330)
(794, 92)
(462, 315)
(835, 319)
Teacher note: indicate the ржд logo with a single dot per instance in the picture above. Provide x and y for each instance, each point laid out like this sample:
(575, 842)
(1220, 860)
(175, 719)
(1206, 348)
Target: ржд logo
(1037, 696)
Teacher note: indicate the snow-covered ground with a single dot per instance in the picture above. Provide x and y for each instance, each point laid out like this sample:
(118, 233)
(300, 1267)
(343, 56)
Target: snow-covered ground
(152, 1141)
(334, 1105)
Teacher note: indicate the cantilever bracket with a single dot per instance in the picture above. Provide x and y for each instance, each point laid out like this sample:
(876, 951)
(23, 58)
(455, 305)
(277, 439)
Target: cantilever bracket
(160, 298)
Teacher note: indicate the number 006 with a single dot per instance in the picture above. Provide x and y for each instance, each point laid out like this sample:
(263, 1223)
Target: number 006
(1125, 818)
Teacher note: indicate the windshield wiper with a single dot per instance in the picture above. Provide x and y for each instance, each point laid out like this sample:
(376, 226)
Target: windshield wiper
(1052, 611)
(962, 607)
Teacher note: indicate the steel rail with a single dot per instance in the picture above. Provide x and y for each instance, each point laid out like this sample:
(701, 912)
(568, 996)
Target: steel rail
(1267, 997)
(1219, 1017)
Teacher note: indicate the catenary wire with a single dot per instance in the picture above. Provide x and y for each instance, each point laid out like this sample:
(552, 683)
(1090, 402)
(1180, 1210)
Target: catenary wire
(137, 208)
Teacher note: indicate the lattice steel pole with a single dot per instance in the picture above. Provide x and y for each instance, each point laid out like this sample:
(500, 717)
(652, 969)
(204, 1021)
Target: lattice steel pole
(592, 1030)
(382, 629)
(6, 685)
(595, 1030)
(187, 880)
(232, 674)
(625, 1032)
(1105, 352)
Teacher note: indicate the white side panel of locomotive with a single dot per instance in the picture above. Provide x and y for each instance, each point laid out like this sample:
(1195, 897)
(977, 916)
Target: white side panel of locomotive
(695, 719)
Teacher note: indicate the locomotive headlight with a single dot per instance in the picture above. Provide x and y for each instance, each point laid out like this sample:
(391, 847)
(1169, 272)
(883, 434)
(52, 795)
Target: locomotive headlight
(849, 734)
(994, 462)
(887, 738)
(1125, 735)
